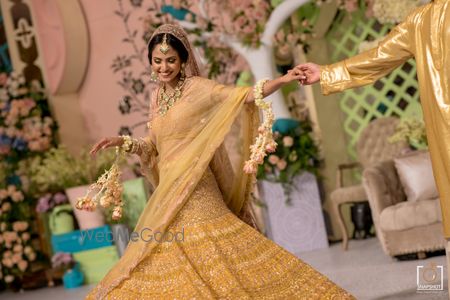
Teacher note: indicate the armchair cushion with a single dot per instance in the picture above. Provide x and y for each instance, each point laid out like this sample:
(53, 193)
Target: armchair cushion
(416, 176)
(407, 214)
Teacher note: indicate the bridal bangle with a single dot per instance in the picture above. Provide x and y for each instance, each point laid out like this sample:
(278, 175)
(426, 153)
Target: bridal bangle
(128, 143)
(136, 146)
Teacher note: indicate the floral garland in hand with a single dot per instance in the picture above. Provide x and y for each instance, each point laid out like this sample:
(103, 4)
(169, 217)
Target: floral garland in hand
(264, 142)
(108, 189)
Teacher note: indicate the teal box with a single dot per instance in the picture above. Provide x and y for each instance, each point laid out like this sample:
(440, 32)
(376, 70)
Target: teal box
(82, 240)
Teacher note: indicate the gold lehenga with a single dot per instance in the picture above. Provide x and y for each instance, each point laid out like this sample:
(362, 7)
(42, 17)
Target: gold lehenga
(220, 256)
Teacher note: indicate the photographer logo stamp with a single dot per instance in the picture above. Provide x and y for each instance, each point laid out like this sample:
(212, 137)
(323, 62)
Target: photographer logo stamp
(430, 278)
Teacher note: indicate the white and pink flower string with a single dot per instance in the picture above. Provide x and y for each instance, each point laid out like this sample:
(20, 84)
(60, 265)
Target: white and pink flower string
(264, 141)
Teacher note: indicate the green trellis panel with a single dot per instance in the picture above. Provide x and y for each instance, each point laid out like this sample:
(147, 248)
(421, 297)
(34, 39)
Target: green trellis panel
(394, 95)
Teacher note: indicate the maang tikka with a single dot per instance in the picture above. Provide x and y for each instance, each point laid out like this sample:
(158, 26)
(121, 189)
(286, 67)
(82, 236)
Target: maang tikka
(164, 47)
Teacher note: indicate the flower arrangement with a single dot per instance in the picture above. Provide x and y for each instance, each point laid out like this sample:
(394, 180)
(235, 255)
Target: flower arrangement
(385, 11)
(16, 250)
(248, 19)
(296, 32)
(24, 124)
(26, 131)
(288, 37)
(3, 174)
(388, 11)
(49, 201)
(411, 130)
(296, 152)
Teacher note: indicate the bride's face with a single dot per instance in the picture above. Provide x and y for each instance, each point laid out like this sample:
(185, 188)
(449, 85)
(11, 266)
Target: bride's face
(167, 66)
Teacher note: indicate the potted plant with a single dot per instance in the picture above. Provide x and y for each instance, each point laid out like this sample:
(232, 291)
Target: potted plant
(296, 152)
(411, 130)
(296, 224)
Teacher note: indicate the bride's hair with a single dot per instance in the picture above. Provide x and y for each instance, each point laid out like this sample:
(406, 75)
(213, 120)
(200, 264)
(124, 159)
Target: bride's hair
(172, 41)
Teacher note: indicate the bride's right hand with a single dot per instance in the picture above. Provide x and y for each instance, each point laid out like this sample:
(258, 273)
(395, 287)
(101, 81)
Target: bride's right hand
(106, 143)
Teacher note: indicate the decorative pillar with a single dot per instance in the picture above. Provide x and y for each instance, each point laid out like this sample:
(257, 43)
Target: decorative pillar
(22, 40)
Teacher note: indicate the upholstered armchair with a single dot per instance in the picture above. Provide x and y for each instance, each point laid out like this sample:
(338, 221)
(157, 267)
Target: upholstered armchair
(403, 226)
(372, 146)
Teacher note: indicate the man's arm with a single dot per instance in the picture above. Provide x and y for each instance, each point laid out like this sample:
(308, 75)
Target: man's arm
(364, 68)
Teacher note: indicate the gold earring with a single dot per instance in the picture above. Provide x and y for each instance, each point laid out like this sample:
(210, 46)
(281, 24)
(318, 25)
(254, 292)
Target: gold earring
(182, 72)
(154, 76)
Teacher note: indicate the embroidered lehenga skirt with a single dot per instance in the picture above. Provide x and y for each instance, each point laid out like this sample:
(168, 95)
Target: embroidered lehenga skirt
(215, 255)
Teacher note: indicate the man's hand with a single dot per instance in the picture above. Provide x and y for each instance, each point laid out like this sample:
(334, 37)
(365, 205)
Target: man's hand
(309, 73)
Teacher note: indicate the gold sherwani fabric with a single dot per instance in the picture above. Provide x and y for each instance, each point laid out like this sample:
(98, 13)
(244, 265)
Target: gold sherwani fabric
(220, 256)
(424, 35)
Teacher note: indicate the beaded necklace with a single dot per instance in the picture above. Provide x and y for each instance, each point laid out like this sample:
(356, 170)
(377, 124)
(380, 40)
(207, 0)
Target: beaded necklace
(166, 101)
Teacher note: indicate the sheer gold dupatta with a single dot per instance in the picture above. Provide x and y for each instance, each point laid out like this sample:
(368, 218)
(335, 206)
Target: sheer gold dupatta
(186, 147)
(235, 185)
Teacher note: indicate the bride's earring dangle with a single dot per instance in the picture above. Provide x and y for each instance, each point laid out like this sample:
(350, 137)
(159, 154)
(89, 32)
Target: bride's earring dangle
(154, 76)
(183, 70)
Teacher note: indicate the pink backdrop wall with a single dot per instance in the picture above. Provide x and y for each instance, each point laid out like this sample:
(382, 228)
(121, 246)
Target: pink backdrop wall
(51, 36)
(100, 93)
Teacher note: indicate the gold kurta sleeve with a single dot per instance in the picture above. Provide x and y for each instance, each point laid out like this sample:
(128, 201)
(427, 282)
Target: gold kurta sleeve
(370, 65)
(425, 36)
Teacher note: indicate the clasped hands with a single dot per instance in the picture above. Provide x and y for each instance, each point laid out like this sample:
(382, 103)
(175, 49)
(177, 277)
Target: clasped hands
(309, 73)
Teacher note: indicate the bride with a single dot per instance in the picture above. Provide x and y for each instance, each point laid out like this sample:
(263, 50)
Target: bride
(200, 195)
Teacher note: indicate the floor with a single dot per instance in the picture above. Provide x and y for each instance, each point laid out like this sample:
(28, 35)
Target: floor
(364, 270)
